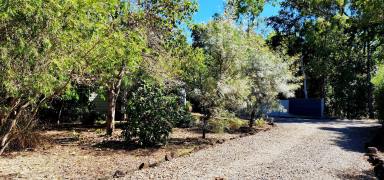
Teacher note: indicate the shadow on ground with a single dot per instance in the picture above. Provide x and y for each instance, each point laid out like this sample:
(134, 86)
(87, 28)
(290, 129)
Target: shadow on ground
(352, 134)
(173, 143)
(353, 138)
(365, 175)
(320, 121)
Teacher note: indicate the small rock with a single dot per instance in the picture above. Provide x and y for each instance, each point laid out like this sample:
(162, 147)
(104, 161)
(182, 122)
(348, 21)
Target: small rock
(154, 164)
(168, 157)
(118, 174)
(375, 160)
(198, 148)
(173, 154)
(219, 178)
(372, 150)
(232, 138)
(204, 141)
(220, 141)
(144, 165)
(31, 149)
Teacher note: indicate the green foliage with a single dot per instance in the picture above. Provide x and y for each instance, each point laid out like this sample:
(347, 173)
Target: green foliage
(378, 81)
(221, 125)
(152, 114)
(44, 45)
(260, 122)
(339, 44)
(184, 119)
(235, 58)
(245, 11)
(70, 107)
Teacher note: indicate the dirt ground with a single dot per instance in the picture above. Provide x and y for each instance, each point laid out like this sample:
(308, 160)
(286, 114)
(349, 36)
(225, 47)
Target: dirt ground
(86, 153)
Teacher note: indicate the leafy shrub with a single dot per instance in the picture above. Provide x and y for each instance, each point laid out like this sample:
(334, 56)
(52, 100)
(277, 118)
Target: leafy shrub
(260, 122)
(225, 125)
(217, 125)
(234, 124)
(378, 81)
(152, 114)
(188, 106)
(379, 99)
(184, 119)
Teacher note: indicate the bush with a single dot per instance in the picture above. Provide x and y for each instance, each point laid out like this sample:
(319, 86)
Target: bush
(184, 119)
(378, 81)
(152, 114)
(188, 106)
(217, 125)
(379, 99)
(225, 125)
(260, 122)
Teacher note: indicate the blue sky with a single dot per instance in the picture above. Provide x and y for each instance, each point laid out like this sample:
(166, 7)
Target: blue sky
(207, 8)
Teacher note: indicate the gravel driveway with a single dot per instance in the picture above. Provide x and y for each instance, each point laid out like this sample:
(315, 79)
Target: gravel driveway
(296, 149)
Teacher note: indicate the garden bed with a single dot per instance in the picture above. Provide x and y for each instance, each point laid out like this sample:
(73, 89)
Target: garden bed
(86, 152)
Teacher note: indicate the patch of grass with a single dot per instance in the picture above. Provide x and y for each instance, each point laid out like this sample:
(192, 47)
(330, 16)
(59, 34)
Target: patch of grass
(75, 135)
(184, 151)
(29, 139)
(100, 122)
(99, 131)
(236, 123)
(217, 125)
(221, 125)
(260, 122)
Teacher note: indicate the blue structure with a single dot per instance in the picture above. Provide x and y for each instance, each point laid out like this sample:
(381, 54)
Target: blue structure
(306, 107)
(313, 108)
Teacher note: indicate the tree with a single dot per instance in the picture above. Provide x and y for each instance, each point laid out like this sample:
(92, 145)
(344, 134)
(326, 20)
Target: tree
(45, 45)
(333, 41)
(118, 55)
(235, 58)
(245, 11)
(271, 74)
(140, 34)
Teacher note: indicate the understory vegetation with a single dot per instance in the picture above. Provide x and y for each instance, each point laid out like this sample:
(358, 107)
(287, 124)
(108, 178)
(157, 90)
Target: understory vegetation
(70, 61)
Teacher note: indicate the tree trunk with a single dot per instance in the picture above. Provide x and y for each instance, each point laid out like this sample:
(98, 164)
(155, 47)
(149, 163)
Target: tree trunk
(61, 110)
(204, 126)
(370, 86)
(205, 118)
(111, 112)
(6, 137)
(305, 79)
(252, 120)
(113, 93)
(124, 105)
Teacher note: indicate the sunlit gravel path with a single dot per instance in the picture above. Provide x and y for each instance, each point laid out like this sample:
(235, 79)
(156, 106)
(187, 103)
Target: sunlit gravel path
(295, 149)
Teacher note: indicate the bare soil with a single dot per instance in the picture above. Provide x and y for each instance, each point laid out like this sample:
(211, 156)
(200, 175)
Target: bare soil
(86, 153)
